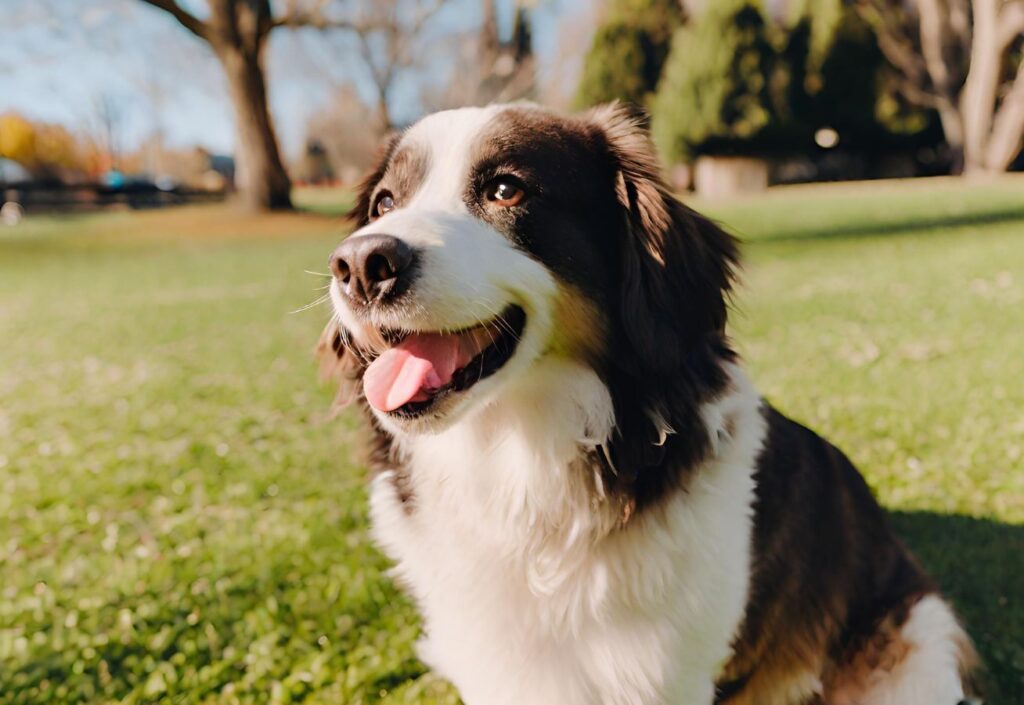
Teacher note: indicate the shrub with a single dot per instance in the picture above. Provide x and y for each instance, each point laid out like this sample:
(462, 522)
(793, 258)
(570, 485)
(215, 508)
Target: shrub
(715, 83)
(628, 52)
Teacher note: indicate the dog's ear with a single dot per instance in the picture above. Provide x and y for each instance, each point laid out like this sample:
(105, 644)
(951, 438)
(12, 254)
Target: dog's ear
(676, 269)
(677, 266)
(360, 213)
(338, 363)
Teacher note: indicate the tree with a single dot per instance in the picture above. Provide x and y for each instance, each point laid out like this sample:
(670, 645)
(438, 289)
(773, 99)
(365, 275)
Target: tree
(48, 151)
(628, 51)
(964, 59)
(17, 139)
(108, 128)
(348, 133)
(715, 85)
(490, 68)
(506, 66)
(238, 31)
(399, 28)
(391, 41)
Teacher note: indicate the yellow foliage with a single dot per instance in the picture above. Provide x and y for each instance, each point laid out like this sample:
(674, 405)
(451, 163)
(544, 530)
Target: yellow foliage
(40, 147)
(57, 147)
(18, 139)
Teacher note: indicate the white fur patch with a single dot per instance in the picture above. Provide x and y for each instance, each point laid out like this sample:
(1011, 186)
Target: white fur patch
(448, 139)
(530, 592)
(930, 673)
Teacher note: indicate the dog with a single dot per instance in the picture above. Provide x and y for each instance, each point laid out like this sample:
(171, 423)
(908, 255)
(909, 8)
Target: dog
(579, 486)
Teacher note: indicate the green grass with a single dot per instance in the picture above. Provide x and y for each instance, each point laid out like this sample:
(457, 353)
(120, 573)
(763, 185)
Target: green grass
(181, 523)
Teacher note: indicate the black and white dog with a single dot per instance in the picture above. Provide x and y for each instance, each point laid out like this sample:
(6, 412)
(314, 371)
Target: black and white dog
(581, 489)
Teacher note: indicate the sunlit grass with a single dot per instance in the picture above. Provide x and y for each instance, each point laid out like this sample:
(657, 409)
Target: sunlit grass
(179, 522)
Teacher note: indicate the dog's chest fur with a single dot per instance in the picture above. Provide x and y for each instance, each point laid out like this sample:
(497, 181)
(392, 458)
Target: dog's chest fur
(534, 587)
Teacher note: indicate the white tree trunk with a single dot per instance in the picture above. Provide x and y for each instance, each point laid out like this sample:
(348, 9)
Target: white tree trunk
(978, 100)
(1008, 127)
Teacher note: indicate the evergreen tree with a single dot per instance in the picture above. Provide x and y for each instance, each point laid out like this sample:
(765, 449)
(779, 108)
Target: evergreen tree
(735, 84)
(715, 93)
(628, 52)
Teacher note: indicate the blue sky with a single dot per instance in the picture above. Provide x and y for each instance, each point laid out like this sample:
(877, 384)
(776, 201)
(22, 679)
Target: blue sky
(58, 56)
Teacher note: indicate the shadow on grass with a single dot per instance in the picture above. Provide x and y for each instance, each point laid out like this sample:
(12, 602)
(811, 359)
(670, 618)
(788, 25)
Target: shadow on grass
(979, 564)
(938, 222)
(899, 225)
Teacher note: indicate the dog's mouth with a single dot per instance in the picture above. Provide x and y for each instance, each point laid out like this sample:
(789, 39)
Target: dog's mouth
(420, 368)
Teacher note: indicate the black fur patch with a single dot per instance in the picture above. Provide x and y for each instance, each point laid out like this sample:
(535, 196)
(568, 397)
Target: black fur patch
(827, 570)
(600, 217)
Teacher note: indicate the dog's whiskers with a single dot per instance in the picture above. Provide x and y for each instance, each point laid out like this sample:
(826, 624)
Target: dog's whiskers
(487, 327)
(499, 320)
(320, 300)
(343, 337)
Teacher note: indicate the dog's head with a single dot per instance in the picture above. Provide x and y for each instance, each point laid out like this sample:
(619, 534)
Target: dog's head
(490, 238)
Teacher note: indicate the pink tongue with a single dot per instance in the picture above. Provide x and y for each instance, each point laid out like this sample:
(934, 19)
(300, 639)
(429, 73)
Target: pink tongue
(420, 363)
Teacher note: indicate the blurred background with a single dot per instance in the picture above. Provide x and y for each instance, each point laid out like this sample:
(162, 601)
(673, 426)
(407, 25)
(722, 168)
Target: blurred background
(181, 521)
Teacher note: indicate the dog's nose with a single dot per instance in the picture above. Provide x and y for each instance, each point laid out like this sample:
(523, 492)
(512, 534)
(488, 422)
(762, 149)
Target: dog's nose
(372, 267)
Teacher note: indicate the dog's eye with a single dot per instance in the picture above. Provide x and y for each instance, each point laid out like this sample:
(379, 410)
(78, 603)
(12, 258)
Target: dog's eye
(385, 203)
(505, 193)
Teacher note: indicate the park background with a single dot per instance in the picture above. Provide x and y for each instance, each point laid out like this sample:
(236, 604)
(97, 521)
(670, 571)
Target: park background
(182, 521)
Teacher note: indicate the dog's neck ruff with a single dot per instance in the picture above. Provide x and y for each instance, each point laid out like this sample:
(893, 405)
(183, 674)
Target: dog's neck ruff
(519, 466)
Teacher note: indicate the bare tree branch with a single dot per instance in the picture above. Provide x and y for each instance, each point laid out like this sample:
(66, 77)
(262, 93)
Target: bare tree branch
(426, 13)
(187, 20)
(1011, 24)
(915, 95)
(1007, 126)
(492, 69)
(314, 16)
(934, 46)
(960, 18)
(388, 38)
(895, 44)
(317, 21)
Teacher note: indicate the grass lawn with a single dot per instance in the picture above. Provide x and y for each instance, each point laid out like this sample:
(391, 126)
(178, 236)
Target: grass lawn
(180, 523)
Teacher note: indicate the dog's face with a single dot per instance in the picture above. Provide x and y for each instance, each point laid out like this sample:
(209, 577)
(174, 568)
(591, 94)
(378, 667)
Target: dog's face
(489, 238)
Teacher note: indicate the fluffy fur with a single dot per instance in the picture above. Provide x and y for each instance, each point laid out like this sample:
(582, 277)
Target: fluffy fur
(613, 515)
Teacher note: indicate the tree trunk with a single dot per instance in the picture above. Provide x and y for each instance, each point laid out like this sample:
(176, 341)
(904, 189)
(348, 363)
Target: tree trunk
(934, 35)
(237, 32)
(953, 131)
(1008, 127)
(263, 183)
(978, 99)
